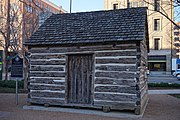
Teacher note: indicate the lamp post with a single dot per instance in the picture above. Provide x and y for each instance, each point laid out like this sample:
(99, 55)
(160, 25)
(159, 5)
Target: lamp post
(171, 34)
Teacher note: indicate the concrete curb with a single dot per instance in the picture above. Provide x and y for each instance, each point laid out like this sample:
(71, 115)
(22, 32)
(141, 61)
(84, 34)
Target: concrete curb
(175, 91)
(117, 114)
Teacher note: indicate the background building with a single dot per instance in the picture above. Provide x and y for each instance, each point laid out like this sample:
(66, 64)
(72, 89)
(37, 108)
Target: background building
(160, 30)
(177, 39)
(25, 18)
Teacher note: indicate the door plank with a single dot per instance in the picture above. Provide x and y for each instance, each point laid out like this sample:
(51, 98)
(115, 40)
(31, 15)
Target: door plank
(79, 80)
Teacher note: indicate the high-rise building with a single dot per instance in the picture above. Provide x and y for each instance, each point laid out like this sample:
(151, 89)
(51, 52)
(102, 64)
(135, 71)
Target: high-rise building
(160, 30)
(177, 39)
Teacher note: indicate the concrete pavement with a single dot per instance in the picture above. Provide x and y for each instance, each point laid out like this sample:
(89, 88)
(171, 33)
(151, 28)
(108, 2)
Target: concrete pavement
(170, 91)
(115, 114)
(163, 79)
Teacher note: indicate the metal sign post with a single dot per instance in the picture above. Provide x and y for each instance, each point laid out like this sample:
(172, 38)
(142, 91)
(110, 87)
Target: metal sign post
(17, 92)
(17, 72)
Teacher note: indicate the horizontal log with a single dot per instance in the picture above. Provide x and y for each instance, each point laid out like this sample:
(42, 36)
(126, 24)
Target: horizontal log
(47, 94)
(116, 64)
(47, 74)
(115, 97)
(50, 56)
(116, 68)
(118, 53)
(144, 100)
(117, 89)
(118, 105)
(46, 68)
(119, 60)
(51, 62)
(47, 87)
(117, 75)
(46, 101)
(110, 81)
(81, 48)
(143, 92)
(48, 81)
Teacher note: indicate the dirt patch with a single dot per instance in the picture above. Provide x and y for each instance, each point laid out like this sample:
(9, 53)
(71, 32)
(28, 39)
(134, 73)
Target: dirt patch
(160, 107)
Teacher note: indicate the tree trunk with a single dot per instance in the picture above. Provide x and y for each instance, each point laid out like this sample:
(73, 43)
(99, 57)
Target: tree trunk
(7, 40)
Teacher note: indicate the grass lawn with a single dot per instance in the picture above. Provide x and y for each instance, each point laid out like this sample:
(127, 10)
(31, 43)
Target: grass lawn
(11, 90)
(9, 86)
(176, 95)
(163, 86)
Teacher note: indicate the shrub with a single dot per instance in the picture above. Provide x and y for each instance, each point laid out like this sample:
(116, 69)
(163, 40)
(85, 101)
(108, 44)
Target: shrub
(11, 84)
(164, 85)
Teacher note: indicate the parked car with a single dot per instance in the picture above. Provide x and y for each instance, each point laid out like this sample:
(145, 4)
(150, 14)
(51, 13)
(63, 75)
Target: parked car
(178, 76)
(177, 72)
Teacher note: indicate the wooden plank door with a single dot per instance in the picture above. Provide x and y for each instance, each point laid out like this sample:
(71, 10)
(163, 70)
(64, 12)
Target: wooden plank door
(79, 83)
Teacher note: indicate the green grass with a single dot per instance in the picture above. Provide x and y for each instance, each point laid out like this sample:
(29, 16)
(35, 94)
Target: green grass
(176, 95)
(11, 84)
(11, 90)
(164, 85)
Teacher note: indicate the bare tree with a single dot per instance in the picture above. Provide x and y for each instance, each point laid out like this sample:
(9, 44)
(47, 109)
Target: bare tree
(19, 27)
(174, 4)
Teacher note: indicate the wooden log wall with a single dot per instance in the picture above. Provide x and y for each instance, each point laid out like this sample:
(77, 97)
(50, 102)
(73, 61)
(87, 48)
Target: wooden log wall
(115, 74)
(115, 77)
(142, 79)
(47, 78)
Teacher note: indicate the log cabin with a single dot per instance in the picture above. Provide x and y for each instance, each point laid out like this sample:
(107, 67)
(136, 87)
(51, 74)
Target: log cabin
(90, 59)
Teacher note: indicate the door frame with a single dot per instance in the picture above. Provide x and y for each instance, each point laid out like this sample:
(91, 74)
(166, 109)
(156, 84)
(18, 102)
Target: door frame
(92, 81)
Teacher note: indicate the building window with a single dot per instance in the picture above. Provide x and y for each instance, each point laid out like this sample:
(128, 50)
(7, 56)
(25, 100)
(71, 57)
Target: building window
(157, 5)
(156, 43)
(29, 9)
(42, 6)
(115, 6)
(141, 4)
(176, 27)
(176, 33)
(156, 24)
(135, 4)
(176, 39)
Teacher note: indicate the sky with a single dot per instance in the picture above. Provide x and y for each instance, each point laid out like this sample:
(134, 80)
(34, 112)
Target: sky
(92, 5)
(80, 5)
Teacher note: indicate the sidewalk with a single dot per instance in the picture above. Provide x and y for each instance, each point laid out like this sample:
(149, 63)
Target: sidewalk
(163, 79)
(170, 91)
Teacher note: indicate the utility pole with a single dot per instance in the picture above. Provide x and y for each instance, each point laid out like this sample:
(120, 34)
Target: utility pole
(171, 35)
(128, 4)
(70, 5)
(7, 39)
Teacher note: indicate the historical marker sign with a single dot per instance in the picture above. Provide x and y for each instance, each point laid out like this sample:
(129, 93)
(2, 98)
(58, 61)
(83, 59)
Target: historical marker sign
(17, 67)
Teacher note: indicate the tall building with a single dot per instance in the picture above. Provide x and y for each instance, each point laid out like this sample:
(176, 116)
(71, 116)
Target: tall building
(160, 30)
(177, 39)
(25, 18)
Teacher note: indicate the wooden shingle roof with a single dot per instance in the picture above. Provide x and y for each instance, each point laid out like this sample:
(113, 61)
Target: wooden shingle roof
(92, 27)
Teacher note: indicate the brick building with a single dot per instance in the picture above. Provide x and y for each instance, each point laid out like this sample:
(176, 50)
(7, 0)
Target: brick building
(25, 18)
(177, 39)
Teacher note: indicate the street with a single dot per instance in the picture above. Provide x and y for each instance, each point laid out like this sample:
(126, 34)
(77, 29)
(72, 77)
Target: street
(163, 79)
